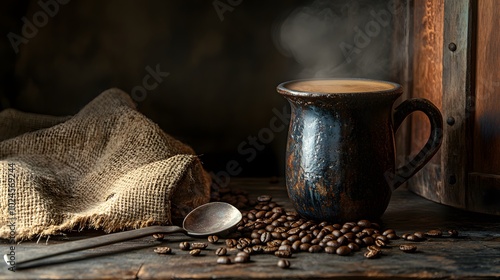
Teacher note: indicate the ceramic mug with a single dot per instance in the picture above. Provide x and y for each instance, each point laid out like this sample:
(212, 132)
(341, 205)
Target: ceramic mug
(340, 157)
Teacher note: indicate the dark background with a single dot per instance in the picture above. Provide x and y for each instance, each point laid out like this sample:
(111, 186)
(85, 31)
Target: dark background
(223, 66)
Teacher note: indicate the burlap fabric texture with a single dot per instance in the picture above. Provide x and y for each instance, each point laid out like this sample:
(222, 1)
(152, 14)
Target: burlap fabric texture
(106, 167)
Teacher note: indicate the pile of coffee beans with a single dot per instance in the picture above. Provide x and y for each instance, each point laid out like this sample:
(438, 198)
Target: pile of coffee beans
(269, 229)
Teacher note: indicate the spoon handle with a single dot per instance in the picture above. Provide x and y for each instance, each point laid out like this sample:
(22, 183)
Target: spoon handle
(73, 246)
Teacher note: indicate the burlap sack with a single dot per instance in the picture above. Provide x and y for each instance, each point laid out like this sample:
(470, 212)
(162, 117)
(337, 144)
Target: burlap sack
(106, 167)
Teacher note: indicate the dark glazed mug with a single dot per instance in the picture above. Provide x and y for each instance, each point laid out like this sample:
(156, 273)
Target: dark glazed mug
(340, 158)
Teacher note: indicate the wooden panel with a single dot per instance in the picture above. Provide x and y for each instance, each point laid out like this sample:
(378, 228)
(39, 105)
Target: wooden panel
(457, 70)
(427, 83)
(486, 133)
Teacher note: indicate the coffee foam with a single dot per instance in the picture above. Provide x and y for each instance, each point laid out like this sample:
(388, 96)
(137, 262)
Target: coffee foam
(339, 86)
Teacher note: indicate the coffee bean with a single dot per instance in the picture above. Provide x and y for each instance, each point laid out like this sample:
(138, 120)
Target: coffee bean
(343, 251)
(195, 252)
(221, 251)
(368, 240)
(373, 248)
(296, 246)
(333, 243)
(258, 248)
(412, 237)
(419, 235)
(223, 260)
(283, 254)
(274, 243)
(364, 223)
(159, 236)
(269, 250)
(315, 249)
(256, 241)
(315, 241)
(264, 198)
(248, 250)
(184, 246)
(330, 250)
(388, 231)
(380, 243)
(260, 214)
(294, 231)
(270, 228)
(276, 235)
(329, 228)
(353, 246)
(231, 243)
(304, 247)
(405, 235)
(163, 250)
(372, 254)
(392, 236)
(198, 245)
(452, 233)
(241, 259)
(306, 239)
(382, 237)
(213, 239)
(342, 240)
(265, 237)
(408, 248)
(285, 248)
(283, 263)
(434, 233)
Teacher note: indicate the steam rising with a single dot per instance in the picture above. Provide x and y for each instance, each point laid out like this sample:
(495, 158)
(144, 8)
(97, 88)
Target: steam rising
(339, 38)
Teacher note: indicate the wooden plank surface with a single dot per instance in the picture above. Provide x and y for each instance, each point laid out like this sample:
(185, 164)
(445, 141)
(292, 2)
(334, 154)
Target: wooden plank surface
(476, 253)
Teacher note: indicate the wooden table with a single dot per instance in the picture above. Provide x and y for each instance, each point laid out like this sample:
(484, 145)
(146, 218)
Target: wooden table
(474, 254)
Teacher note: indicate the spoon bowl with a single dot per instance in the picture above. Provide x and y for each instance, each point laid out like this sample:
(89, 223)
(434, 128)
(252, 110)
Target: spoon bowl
(208, 219)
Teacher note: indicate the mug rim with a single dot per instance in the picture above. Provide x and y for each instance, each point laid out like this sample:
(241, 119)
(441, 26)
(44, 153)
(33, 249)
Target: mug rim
(282, 89)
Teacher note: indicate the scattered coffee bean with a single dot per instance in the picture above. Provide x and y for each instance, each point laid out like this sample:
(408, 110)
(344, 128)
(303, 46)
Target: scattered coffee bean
(195, 252)
(264, 198)
(373, 248)
(412, 237)
(283, 263)
(231, 243)
(388, 231)
(184, 246)
(372, 254)
(221, 251)
(213, 239)
(198, 245)
(241, 259)
(353, 246)
(163, 250)
(419, 235)
(269, 250)
(223, 260)
(283, 254)
(380, 243)
(343, 251)
(315, 249)
(330, 250)
(159, 236)
(407, 248)
(392, 236)
(434, 233)
(248, 250)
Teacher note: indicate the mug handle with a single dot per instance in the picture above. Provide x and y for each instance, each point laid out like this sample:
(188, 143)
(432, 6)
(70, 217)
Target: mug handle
(403, 173)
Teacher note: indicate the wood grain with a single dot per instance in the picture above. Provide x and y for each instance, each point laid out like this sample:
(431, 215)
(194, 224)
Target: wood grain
(457, 71)
(427, 83)
(486, 133)
(474, 254)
